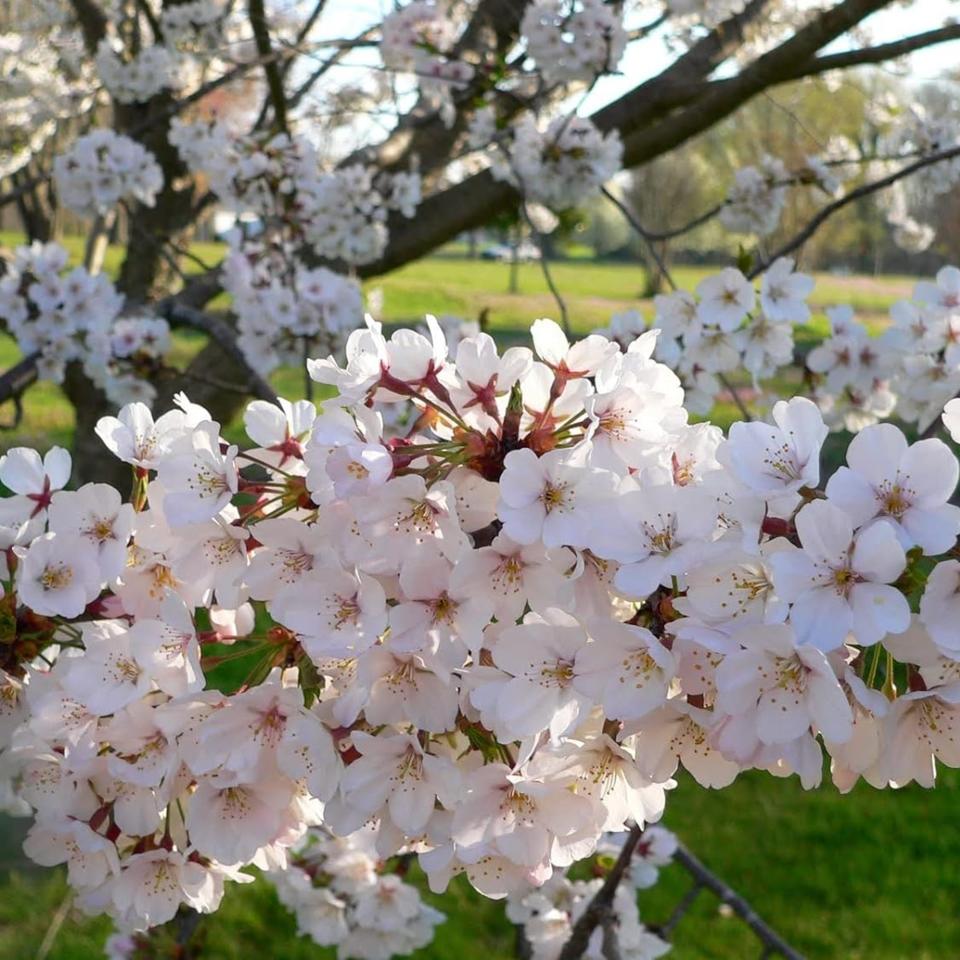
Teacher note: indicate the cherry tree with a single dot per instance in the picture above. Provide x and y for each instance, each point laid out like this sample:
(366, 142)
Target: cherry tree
(486, 603)
(359, 147)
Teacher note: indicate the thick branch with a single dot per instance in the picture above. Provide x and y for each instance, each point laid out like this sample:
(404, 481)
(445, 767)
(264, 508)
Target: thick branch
(881, 53)
(93, 23)
(492, 31)
(222, 334)
(720, 100)
(18, 378)
(646, 112)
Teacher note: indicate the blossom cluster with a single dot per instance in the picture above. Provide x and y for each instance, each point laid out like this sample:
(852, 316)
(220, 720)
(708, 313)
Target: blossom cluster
(912, 368)
(40, 86)
(103, 168)
(196, 25)
(483, 606)
(756, 198)
(76, 316)
(573, 41)
(561, 166)
(726, 325)
(420, 39)
(284, 309)
(340, 213)
(341, 897)
(136, 80)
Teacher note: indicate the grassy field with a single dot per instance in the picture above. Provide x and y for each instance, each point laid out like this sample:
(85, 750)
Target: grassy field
(461, 287)
(869, 876)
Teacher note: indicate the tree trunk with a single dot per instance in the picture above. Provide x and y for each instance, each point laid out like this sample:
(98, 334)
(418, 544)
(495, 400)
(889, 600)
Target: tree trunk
(92, 462)
(37, 207)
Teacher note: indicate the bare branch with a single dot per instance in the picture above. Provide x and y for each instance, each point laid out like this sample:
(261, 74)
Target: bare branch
(859, 193)
(772, 941)
(15, 381)
(304, 30)
(93, 23)
(640, 116)
(698, 221)
(219, 331)
(272, 72)
(881, 53)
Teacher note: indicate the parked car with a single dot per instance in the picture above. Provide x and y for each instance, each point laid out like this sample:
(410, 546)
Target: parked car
(504, 252)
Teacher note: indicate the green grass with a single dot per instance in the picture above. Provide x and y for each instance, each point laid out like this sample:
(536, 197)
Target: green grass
(452, 284)
(869, 876)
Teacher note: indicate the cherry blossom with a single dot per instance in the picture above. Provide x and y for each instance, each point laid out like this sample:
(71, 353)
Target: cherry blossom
(838, 581)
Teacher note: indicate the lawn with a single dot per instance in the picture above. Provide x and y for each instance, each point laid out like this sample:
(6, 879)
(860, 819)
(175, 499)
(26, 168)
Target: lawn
(869, 875)
(452, 284)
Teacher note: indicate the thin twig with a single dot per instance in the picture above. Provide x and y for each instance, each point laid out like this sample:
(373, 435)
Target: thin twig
(56, 922)
(610, 944)
(548, 276)
(545, 269)
(770, 938)
(644, 235)
(735, 396)
(97, 242)
(862, 191)
(220, 331)
(679, 911)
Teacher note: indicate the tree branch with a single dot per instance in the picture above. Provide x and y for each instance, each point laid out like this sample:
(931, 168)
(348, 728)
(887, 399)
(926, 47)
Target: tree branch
(274, 77)
(772, 941)
(93, 23)
(600, 907)
(719, 100)
(221, 333)
(880, 53)
(862, 191)
(640, 115)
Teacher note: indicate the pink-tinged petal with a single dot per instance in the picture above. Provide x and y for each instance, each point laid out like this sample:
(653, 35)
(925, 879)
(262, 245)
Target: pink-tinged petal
(853, 494)
(934, 530)
(410, 805)
(522, 524)
(877, 611)
(781, 716)
(56, 465)
(801, 420)
(821, 618)
(877, 554)
(21, 470)
(931, 471)
(549, 341)
(738, 682)
(523, 480)
(876, 451)
(825, 532)
(829, 709)
(793, 572)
